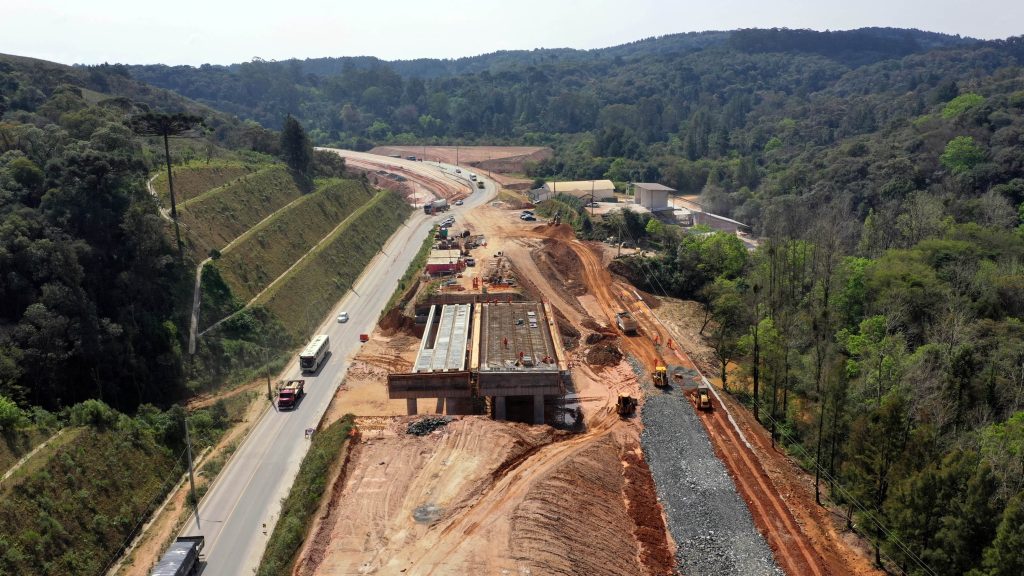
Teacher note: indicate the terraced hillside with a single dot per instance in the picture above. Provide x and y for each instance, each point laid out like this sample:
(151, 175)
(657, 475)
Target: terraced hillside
(269, 249)
(195, 178)
(218, 216)
(302, 298)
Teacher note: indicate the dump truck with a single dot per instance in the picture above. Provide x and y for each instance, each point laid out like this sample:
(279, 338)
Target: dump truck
(703, 398)
(290, 393)
(181, 557)
(626, 406)
(660, 376)
(626, 322)
(435, 206)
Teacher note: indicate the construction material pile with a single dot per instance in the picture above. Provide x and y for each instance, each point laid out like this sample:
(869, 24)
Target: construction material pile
(427, 425)
(604, 354)
(708, 519)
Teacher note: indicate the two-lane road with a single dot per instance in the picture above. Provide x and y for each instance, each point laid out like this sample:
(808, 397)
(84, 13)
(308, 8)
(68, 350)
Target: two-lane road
(247, 494)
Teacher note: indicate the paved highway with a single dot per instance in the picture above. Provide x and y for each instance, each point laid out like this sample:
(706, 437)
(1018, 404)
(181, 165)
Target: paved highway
(238, 513)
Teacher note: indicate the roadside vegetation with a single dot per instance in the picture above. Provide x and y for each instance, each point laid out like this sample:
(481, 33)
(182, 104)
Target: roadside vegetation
(328, 449)
(302, 299)
(264, 252)
(415, 269)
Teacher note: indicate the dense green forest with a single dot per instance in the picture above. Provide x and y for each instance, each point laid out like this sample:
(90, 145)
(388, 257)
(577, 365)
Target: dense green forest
(91, 296)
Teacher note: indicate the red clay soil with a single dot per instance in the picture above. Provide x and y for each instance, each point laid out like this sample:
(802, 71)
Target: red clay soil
(649, 524)
(794, 551)
(494, 158)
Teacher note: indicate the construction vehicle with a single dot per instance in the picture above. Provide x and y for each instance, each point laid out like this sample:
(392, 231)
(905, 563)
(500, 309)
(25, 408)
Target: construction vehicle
(626, 322)
(435, 206)
(181, 557)
(703, 398)
(626, 406)
(290, 393)
(660, 376)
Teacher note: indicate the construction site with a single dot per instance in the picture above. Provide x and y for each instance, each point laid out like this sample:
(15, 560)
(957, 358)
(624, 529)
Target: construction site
(512, 422)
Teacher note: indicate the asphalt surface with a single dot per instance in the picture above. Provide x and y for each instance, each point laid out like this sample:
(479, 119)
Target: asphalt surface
(238, 513)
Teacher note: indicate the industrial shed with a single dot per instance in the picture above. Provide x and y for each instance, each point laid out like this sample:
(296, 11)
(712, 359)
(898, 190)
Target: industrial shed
(598, 189)
(441, 262)
(652, 196)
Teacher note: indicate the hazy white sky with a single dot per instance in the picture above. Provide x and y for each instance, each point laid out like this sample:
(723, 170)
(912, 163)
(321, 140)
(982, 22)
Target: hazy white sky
(223, 32)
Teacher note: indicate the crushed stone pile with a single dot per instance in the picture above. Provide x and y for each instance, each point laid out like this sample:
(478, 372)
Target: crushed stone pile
(425, 426)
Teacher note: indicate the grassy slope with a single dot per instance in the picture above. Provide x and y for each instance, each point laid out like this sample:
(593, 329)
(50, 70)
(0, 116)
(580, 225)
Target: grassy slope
(13, 446)
(71, 516)
(218, 216)
(196, 178)
(301, 299)
(266, 252)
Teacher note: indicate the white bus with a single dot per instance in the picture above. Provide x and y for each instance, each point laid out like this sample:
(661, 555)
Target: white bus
(315, 352)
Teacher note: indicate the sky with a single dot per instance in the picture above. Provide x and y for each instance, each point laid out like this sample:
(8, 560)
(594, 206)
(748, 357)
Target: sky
(222, 32)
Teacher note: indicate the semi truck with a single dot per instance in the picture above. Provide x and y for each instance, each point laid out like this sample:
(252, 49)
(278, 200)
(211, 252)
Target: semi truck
(290, 393)
(181, 557)
(435, 206)
(626, 322)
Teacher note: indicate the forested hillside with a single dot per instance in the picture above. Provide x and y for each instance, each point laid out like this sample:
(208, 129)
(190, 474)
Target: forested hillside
(91, 290)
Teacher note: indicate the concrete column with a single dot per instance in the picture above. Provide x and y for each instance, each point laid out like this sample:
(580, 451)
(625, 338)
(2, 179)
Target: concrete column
(440, 406)
(499, 407)
(538, 408)
(410, 406)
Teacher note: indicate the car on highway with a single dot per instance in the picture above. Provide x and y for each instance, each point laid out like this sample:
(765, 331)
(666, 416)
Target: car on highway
(343, 317)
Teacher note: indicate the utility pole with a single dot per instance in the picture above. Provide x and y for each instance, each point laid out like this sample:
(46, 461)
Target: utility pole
(191, 474)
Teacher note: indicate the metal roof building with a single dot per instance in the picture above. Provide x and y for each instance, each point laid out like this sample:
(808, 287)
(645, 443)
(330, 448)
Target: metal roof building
(652, 195)
(599, 189)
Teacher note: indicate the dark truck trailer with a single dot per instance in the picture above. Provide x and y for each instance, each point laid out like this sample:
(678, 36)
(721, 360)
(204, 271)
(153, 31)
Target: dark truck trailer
(181, 557)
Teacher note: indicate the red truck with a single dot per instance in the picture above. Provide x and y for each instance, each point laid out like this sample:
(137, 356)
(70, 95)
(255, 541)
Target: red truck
(289, 394)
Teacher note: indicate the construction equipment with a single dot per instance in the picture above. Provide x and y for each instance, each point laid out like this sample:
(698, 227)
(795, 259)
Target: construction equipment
(703, 398)
(660, 376)
(626, 322)
(626, 406)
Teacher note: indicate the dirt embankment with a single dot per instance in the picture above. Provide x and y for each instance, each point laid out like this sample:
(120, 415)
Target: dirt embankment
(511, 159)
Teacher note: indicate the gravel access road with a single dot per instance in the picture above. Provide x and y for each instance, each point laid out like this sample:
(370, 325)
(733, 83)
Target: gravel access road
(709, 521)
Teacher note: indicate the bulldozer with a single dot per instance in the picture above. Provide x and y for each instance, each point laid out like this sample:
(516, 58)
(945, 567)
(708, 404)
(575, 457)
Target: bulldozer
(702, 397)
(626, 406)
(660, 376)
